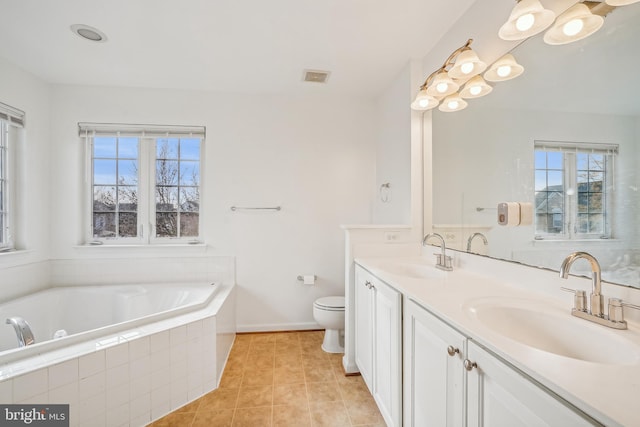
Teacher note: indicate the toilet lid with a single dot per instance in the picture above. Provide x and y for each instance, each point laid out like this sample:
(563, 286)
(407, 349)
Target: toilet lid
(330, 302)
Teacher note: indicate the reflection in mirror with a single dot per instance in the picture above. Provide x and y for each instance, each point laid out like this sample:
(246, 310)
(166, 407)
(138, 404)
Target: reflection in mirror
(565, 137)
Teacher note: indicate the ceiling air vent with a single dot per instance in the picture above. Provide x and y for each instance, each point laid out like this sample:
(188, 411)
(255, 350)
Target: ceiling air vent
(316, 76)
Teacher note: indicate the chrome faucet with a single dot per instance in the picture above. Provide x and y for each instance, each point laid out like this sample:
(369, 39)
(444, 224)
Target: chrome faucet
(473, 236)
(23, 331)
(596, 305)
(443, 261)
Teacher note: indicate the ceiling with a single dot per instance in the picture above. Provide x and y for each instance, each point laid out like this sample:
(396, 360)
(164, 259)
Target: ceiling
(248, 46)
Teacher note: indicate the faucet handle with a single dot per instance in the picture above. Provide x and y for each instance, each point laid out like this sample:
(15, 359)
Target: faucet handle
(579, 298)
(616, 313)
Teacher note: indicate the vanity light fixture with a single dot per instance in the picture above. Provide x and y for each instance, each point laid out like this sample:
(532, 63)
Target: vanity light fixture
(475, 88)
(467, 64)
(442, 85)
(505, 68)
(574, 24)
(453, 103)
(527, 18)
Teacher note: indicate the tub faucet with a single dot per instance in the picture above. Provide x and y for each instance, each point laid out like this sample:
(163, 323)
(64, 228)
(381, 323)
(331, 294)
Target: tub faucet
(596, 305)
(443, 261)
(473, 236)
(23, 331)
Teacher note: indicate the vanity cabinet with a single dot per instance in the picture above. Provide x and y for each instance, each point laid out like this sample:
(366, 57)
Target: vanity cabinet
(451, 381)
(378, 333)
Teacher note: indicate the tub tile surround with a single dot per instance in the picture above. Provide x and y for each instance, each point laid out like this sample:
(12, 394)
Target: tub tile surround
(281, 379)
(603, 391)
(135, 377)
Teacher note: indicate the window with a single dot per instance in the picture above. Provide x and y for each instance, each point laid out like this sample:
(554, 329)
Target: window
(145, 183)
(11, 120)
(573, 188)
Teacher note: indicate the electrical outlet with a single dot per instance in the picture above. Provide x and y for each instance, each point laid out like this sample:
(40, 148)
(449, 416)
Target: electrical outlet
(450, 237)
(390, 236)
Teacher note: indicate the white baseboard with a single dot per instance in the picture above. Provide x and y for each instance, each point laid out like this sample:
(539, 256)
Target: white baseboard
(273, 327)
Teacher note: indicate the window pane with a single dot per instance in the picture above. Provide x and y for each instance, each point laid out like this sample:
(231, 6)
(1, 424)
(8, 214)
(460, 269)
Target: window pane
(555, 202)
(127, 172)
(189, 199)
(104, 199)
(127, 224)
(596, 180)
(582, 224)
(127, 199)
(104, 225)
(554, 180)
(582, 161)
(104, 172)
(595, 203)
(554, 160)
(189, 224)
(128, 148)
(167, 148)
(104, 147)
(189, 173)
(596, 223)
(166, 199)
(541, 202)
(583, 202)
(541, 180)
(540, 159)
(596, 162)
(167, 172)
(190, 149)
(166, 224)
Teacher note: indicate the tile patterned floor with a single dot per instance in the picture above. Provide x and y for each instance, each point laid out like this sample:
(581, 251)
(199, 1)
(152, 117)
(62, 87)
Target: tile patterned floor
(281, 379)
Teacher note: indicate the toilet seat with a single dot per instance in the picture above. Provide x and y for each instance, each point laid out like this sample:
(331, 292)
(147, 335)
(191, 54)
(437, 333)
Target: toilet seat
(330, 303)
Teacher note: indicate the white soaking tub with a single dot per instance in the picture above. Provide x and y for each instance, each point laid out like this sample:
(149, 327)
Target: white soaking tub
(132, 354)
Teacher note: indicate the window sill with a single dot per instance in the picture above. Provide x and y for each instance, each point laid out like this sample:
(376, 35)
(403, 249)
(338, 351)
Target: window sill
(143, 249)
(556, 241)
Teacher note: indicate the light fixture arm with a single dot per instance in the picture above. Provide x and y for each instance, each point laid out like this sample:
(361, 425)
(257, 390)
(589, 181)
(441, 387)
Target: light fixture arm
(447, 64)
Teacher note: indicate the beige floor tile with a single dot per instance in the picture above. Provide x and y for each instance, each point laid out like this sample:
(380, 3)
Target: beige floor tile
(255, 396)
(288, 376)
(288, 337)
(324, 392)
(288, 347)
(290, 394)
(260, 362)
(329, 414)
(231, 380)
(289, 360)
(317, 375)
(263, 338)
(221, 398)
(262, 348)
(252, 417)
(189, 407)
(258, 377)
(354, 391)
(363, 412)
(175, 419)
(242, 338)
(291, 416)
(217, 418)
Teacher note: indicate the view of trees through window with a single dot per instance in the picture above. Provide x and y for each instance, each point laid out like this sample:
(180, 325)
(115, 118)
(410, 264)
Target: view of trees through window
(120, 188)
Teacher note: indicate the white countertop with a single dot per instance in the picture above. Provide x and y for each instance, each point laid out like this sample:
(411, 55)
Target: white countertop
(607, 392)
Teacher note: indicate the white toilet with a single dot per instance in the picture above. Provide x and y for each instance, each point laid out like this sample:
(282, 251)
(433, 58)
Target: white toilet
(329, 313)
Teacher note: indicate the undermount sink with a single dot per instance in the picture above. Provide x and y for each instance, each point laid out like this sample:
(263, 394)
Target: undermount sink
(553, 330)
(414, 270)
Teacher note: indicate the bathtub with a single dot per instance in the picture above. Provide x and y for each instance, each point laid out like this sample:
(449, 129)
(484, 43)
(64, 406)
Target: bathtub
(158, 345)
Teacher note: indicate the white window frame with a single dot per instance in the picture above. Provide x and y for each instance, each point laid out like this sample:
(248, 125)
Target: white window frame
(12, 120)
(146, 213)
(570, 174)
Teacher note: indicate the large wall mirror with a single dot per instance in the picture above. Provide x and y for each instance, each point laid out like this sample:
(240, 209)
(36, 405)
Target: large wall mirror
(565, 137)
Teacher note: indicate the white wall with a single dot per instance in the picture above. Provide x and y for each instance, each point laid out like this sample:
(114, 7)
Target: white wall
(30, 94)
(313, 156)
(393, 152)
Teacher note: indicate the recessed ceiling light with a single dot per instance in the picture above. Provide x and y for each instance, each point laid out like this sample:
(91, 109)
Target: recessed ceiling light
(89, 33)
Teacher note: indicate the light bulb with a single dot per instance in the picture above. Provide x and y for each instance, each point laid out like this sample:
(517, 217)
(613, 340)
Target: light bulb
(442, 87)
(573, 27)
(475, 90)
(466, 68)
(525, 22)
(453, 105)
(503, 70)
(423, 102)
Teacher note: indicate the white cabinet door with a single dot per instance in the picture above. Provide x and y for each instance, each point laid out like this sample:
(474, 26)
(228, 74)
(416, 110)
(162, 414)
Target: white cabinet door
(387, 359)
(434, 392)
(364, 325)
(499, 396)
